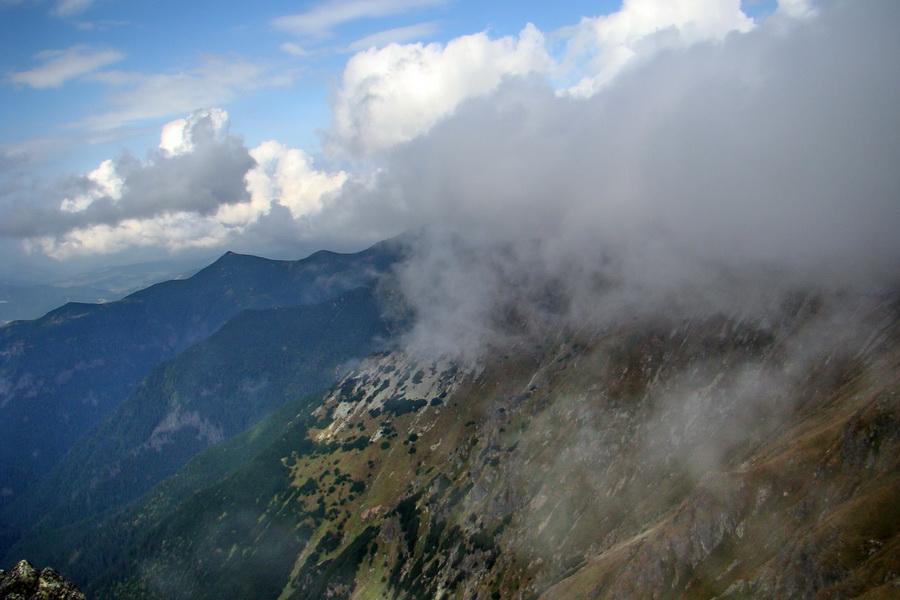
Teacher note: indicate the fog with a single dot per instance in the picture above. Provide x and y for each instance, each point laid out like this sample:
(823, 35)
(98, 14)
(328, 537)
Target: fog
(712, 179)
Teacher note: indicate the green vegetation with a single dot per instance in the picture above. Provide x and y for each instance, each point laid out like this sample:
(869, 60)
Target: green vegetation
(557, 473)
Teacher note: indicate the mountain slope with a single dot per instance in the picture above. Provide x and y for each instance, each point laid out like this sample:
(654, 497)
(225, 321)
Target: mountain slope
(690, 459)
(208, 393)
(60, 374)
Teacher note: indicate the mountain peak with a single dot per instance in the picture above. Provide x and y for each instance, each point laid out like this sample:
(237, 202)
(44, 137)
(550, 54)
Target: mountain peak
(234, 255)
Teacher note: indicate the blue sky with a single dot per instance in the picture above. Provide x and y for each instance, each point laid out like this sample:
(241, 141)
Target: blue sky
(137, 130)
(276, 93)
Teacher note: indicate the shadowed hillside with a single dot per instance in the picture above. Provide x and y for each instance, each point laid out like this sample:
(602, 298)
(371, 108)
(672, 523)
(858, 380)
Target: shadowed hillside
(61, 374)
(712, 457)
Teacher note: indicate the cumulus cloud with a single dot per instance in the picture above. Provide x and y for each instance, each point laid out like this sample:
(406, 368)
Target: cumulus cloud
(201, 188)
(603, 46)
(712, 178)
(177, 137)
(396, 93)
(171, 231)
(393, 94)
(286, 176)
(205, 171)
(60, 66)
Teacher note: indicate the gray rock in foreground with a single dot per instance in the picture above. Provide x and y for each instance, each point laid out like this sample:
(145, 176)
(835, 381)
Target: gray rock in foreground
(24, 582)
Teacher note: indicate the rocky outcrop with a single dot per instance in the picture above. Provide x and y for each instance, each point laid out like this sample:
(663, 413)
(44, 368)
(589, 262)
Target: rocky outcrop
(24, 582)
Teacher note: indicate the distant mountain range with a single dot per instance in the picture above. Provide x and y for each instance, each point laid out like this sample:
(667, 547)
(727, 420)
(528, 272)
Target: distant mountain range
(217, 388)
(19, 303)
(710, 457)
(60, 375)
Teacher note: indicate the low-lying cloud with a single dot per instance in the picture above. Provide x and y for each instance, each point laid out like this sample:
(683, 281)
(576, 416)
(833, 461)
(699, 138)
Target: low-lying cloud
(710, 178)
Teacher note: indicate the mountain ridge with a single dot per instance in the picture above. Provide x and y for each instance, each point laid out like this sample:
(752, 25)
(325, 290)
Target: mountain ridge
(212, 391)
(61, 373)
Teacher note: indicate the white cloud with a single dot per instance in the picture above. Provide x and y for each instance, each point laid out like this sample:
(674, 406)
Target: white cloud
(198, 169)
(713, 178)
(200, 189)
(796, 8)
(601, 47)
(107, 183)
(319, 21)
(394, 94)
(397, 35)
(293, 49)
(177, 137)
(67, 8)
(172, 231)
(150, 96)
(61, 66)
(285, 176)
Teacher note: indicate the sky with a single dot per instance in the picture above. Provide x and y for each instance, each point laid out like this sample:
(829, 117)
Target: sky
(139, 130)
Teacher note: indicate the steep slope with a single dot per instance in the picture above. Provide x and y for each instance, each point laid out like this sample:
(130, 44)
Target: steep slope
(705, 458)
(92, 548)
(208, 393)
(61, 374)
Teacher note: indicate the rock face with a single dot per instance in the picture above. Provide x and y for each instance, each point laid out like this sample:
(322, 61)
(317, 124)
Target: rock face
(24, 582)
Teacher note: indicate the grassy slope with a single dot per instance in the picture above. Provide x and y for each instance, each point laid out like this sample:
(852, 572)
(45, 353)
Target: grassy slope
(644, 461)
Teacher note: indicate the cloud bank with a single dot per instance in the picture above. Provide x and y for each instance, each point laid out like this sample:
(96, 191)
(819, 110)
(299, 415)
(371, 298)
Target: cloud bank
(395, 94)
(603, 46)
(201, 188)
(715, 178)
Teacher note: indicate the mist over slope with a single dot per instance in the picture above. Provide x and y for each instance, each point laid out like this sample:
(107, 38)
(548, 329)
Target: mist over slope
(698, 458)
(710, 178)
